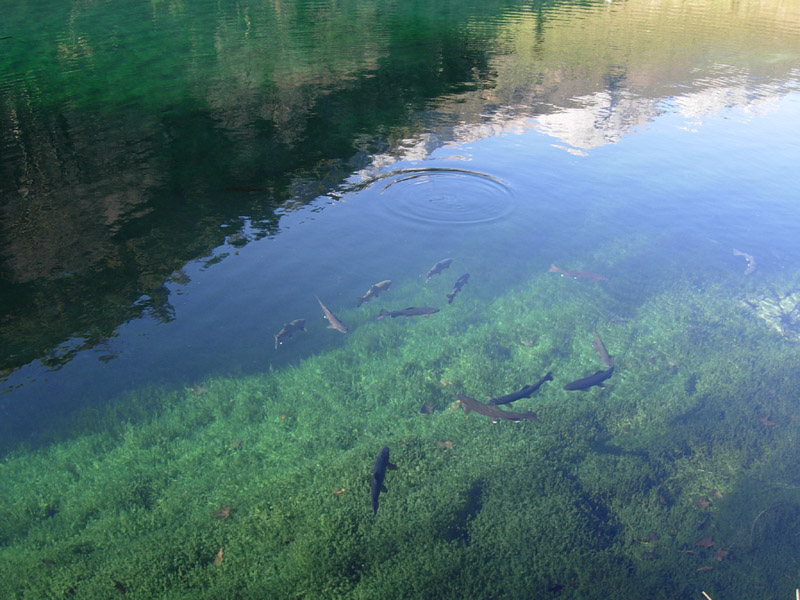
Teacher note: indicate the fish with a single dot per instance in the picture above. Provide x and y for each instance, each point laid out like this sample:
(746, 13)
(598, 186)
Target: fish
(525, 392)
(598, 345)
(378, 474)
(333, 322)
(578, 273)
(706, 542)
(411, 311)
(460, 282)
(374, 290)
(598, 377)
(288, 330)
(751, 262)
(493, 412)
(586, 382)
(438, 268)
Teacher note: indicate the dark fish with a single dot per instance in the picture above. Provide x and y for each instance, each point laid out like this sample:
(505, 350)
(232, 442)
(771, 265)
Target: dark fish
(599, 376)
(333, 322)
(288, 330)
(598, 345)
(576, 274)
(523, 393)
(378, 474)
(120, 588)
(585, 383)
(411, 311)
(493, 412)
(460, 282)
(438, 268)
(374, 291)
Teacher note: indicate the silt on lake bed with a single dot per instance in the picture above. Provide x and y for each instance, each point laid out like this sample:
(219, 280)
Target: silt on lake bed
(177, 187)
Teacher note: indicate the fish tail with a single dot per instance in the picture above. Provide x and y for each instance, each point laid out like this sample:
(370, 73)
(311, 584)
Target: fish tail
(383, 313)
(450, 297)
(549, 376)
(276, 342)
(359, 301)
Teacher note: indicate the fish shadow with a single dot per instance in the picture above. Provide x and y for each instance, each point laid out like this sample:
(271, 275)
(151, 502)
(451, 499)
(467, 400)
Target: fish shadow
(458, 529)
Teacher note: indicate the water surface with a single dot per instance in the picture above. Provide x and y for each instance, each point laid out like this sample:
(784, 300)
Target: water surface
(179, 182)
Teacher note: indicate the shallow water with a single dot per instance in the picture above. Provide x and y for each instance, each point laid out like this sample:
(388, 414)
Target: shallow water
(180, 182)
(141, 149)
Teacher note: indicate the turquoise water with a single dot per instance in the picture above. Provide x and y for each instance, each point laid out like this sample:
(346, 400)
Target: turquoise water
(180, 181)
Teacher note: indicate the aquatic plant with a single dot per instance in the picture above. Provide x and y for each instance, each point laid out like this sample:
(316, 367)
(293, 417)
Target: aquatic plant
(252, 486)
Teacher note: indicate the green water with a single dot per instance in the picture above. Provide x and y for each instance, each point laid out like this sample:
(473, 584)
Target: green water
(572, 506)
(179, 180)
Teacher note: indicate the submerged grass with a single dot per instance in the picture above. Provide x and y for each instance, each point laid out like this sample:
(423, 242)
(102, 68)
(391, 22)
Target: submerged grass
(258, 487)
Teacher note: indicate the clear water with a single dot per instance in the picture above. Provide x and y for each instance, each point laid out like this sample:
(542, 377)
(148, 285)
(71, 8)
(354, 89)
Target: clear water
(537, 134)
(180, 181)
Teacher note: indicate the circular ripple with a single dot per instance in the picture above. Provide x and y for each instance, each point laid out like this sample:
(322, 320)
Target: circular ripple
(449, 196)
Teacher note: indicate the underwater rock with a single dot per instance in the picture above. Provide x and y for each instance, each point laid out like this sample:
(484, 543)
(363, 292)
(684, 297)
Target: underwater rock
(781, 312)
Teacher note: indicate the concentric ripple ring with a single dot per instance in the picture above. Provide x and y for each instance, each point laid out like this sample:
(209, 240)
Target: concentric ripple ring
(446, 196)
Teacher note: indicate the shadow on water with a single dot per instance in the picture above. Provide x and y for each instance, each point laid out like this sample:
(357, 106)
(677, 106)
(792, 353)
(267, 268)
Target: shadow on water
(458, 530)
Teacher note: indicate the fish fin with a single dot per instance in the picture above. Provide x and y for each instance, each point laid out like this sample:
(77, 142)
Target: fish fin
(391, 466)
(384, 490)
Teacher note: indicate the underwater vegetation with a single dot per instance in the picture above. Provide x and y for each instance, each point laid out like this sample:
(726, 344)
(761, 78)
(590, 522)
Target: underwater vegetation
(679, 475)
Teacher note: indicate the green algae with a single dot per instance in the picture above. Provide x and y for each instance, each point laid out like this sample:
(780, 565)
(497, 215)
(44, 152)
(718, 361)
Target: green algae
(694, 436)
